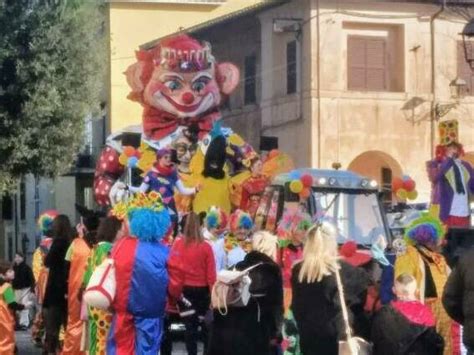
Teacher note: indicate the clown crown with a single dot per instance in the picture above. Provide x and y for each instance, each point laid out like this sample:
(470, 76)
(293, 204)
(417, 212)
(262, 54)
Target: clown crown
(185, 54)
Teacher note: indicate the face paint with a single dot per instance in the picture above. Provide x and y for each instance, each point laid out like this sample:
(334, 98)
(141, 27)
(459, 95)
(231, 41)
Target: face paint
(183, 94)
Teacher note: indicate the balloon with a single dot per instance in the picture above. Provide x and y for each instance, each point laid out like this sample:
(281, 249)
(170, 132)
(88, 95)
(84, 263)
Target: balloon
(128, 151)
(406, 178)
(296, 186)
(307, 180)
(132, 162)
(295, 175)
(412, 195)
(409, 185)
(397, 184)
(305, 193)
(402, 194)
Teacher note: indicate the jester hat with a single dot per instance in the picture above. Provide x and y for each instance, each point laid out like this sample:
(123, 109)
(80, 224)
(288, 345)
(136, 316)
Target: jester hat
(426, 230)
(240, 219)
(45, 220)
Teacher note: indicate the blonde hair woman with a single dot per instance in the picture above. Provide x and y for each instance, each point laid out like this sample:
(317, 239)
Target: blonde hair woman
(315, 302)
(266, 243)
(259, 322)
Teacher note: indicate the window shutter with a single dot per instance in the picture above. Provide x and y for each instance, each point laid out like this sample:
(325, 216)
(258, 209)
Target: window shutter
(376, 64)
(356, 60)
(464, 70)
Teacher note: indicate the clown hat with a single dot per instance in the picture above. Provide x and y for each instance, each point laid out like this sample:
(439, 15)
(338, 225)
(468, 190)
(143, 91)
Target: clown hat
(45, 220)
(352, 256)
(240, 219)
(448, 132)
(426, 230)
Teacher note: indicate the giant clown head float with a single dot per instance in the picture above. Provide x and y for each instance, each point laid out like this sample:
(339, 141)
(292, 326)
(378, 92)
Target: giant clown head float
(179, 83)
(180, 86)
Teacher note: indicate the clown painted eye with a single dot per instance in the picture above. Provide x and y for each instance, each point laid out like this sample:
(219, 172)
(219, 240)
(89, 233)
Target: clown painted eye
(200, 84)
(173, 85)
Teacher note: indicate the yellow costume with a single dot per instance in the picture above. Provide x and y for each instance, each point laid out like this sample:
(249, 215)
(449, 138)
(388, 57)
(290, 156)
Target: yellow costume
(414, 262)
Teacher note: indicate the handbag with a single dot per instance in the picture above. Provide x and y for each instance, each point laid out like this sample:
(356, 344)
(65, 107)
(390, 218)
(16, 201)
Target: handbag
(352, 345)
(100, 291)
(231, 289)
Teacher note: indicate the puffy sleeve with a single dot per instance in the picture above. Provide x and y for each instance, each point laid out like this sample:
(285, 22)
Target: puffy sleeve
(210, 266)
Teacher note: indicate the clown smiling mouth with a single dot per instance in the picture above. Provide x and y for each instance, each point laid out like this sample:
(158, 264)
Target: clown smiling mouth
(183, 108)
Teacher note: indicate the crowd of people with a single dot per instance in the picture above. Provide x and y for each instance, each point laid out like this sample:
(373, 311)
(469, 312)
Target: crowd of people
(290, 304)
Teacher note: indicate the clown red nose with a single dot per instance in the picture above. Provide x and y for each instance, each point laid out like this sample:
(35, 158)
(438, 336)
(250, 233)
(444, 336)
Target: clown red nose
(188, 98)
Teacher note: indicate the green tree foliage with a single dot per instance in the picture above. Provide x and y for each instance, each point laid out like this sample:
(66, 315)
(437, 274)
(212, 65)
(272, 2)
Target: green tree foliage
(52, 64)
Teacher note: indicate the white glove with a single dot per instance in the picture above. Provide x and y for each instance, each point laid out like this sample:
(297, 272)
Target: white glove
(118, 192)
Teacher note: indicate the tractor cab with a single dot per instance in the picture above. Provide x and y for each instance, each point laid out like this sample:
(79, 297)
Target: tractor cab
(350, 201)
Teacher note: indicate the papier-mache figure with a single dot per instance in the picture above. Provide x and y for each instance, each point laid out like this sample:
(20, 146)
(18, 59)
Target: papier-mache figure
(180, 86)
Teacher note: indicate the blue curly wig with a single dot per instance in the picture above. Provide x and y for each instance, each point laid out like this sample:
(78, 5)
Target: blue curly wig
(148, 225)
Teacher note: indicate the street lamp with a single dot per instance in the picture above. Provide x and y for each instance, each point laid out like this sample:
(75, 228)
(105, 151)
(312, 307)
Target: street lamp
(467, 35)
(457, 88)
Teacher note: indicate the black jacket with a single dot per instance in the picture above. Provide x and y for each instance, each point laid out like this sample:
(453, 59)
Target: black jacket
(317, 310)
(56, 287)
(458, 297)
(23, 277)
(394, 334)
(248, 330)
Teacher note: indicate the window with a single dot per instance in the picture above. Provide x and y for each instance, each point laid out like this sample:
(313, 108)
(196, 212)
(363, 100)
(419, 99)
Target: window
(291, 71)
(387, 185)
(250, 87)
(464, 70)
(22, 200)
(7, 207)
(367, 63)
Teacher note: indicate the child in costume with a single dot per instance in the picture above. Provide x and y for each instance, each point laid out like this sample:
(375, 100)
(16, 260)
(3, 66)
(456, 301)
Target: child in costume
(142, 279)
(406, 326)
(214, 231)
(40, 272)
(430, 270)
(77, 256)
(238, 242)
(291, 231)
(163, 178)
(99, 321)
(8, 306)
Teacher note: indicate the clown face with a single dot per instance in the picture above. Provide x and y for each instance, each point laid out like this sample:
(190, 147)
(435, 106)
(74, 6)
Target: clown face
(185, 150)
(183, 94)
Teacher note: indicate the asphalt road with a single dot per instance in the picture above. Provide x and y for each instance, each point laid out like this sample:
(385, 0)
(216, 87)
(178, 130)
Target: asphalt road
(26, 347)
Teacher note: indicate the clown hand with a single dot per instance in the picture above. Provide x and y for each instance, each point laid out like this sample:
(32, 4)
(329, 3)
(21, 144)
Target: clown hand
(118, 192)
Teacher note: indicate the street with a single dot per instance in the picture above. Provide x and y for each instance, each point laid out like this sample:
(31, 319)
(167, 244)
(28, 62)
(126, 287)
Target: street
(26, 347)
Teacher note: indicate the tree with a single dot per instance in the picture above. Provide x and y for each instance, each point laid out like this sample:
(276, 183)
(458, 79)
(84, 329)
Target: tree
(52, 56)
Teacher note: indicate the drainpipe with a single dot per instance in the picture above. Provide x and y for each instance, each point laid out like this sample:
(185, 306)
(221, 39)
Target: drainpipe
(433, 76)
(318, 82)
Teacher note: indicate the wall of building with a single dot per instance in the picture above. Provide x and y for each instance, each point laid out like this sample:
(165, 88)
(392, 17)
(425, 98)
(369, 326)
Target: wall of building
(133, 24)
(287, 116)
(397, 122)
